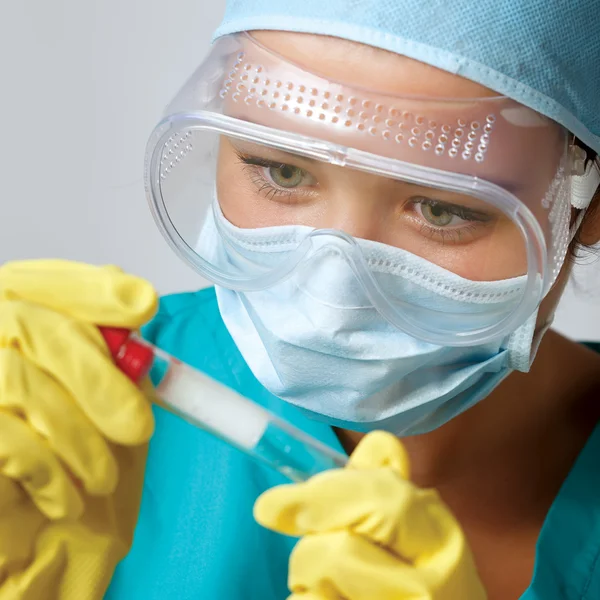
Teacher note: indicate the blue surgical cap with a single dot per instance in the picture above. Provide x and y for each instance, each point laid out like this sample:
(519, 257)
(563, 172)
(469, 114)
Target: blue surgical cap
(542, 53)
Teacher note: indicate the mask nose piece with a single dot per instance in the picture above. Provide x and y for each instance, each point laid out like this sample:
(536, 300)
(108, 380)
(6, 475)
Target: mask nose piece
(328, 273)
(335, 237)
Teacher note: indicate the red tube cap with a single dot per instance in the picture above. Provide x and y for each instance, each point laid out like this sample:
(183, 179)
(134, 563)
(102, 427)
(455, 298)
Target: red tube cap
(132, 357)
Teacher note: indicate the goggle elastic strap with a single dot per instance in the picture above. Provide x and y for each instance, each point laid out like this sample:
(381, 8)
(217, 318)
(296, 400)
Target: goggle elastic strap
(583, 190)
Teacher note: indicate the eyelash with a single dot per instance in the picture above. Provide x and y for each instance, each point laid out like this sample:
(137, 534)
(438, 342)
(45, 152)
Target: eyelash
(456, 234)
(253, 166)
(454, 209)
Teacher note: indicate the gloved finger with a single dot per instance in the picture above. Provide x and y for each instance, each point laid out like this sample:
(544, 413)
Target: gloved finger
(10, 495)
(72, 559)
(29, 460)
(45, 405)
(75, 354)
(20, 522)
(343, 565)
(381, 449)
(100, 295)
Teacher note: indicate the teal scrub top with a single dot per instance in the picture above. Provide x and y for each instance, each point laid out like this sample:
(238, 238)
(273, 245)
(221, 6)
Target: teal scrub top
(196, 538)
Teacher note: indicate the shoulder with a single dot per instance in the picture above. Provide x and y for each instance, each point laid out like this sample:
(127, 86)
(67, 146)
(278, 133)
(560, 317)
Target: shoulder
(199, 307)
(568, 556)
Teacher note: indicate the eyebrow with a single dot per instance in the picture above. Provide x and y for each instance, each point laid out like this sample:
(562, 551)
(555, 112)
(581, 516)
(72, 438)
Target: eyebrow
(250, 153)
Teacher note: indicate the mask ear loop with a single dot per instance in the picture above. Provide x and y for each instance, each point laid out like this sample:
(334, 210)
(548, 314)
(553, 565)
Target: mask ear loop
(583, 189)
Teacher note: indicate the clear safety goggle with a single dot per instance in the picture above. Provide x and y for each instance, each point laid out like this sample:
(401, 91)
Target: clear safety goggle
(260, 167)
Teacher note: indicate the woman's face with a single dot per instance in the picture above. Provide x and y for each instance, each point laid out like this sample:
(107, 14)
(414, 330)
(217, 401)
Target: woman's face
(261, 187)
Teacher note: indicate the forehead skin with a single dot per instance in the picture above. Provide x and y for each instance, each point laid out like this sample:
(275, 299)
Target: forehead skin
(369, 67)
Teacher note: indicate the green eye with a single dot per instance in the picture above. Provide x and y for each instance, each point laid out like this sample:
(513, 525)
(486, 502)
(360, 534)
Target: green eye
(436, 214)
(287, 176)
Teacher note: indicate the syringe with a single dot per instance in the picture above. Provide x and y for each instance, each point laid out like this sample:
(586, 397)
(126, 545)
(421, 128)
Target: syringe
(221, 411)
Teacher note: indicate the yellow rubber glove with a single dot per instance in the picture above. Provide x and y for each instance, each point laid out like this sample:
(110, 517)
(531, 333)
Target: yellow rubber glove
(73, 428)
(369, 533)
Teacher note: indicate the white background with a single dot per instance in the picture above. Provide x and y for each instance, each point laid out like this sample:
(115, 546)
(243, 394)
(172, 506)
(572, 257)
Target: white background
(82, 84)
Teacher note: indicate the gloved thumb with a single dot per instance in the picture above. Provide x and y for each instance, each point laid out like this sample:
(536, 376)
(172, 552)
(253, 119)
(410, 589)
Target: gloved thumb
(381, 449)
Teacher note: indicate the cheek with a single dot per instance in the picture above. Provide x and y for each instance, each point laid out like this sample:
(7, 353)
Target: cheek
(235, 199)
(491, 258)
(240, 203)
(499, 255)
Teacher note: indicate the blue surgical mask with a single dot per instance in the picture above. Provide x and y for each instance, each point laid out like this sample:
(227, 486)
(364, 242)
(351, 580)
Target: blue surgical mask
(316, 341)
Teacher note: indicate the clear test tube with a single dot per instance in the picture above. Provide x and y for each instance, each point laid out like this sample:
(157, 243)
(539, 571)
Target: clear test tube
(221, 411)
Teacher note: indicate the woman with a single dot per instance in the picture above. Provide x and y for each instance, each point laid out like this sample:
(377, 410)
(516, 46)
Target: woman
(388, 199)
